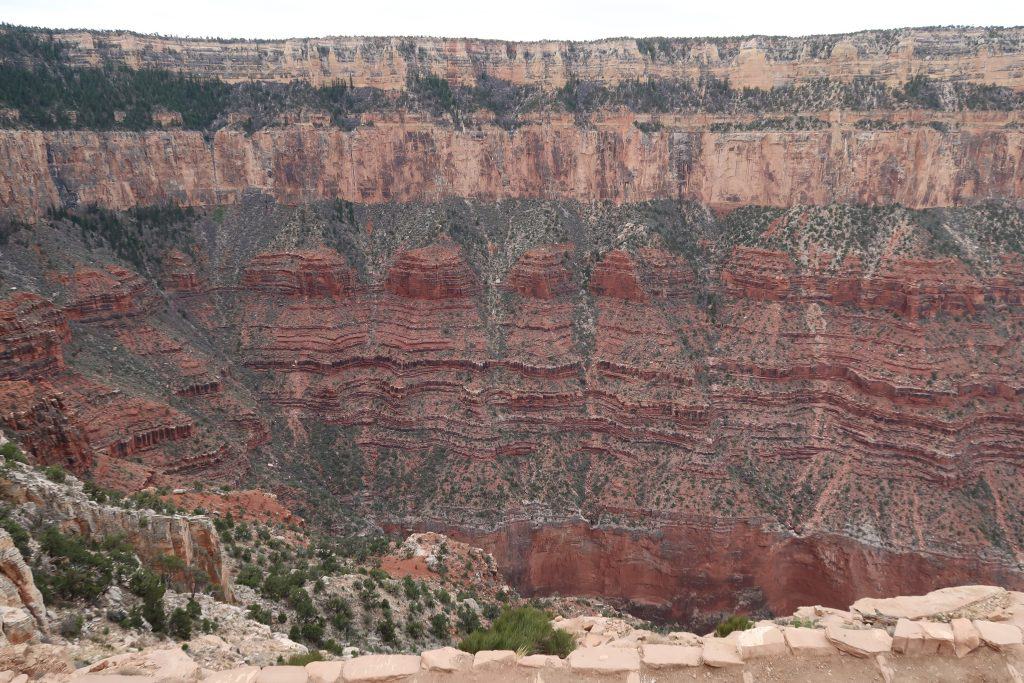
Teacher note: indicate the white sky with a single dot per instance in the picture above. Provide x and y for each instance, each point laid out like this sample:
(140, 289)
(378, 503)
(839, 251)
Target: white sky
(505, 19)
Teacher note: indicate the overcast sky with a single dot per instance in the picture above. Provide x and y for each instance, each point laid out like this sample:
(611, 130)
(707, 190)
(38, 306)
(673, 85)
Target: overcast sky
(504, 19)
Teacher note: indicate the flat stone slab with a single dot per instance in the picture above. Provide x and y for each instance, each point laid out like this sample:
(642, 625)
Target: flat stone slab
(164, 664)
(810, 642)
(325, 672)
(111, 678)
(488, 659)
(938, 637)
(380, 668)
(243, 674)
(446, 659)
(999, 637)
(542, 662)
(604, 659)
(942, 601)
(721, 652)
(908, 638)
(282, 674)
(860, 642)
(966, 638)
(761, 641)
(671, 656)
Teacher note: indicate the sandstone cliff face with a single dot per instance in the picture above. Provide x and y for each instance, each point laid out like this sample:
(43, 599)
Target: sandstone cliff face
(22, 611)
(992, 56)
(190, 538)
(411, 161)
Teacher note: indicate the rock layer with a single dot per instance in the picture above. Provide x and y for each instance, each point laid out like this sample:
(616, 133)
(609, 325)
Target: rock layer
(990, 56)
(411, 160)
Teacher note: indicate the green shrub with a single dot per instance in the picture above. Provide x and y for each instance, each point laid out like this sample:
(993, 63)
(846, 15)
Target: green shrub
(526, 630)
(439, 627)
(80, 569)
(12, 453)
(151, 589)
(414, 629)
(180, 624)
(469, 621)
(258, 613)
(55, 473)
(386, 630)
(339, 612)
(736, 622)
(303, 660)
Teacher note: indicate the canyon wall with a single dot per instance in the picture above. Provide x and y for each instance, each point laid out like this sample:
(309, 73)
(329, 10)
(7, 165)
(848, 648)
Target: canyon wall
(776, 354)
(977, 55)
(694, 573)
(412, 160)
(748, 403)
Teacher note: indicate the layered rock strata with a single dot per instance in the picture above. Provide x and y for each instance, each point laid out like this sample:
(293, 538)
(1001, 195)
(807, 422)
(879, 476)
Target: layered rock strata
(979, 55)
(408, 160)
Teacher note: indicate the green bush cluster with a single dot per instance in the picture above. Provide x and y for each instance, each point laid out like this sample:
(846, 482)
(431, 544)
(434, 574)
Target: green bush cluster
(526, 630)
(79, 568)
(736, 622)
(12, 453)
(184, 621)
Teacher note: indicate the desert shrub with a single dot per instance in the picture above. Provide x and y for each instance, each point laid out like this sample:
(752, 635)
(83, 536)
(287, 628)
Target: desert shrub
(339, 611)
(79, 568)
(260, 614)
(71, 625)
(736, 622)
(469, 620)
(414, 629)
(12, 453)
(180, 624)
(55, 473)
(150, 587)
(386, 630)
(526, 630)
(439, 626)
(304, 659)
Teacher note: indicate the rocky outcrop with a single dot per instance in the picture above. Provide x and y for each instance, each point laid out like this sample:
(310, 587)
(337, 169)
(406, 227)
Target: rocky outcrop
(106, 295)
(413, 160)
(979, 55)
(22, 612)
(191, 538)
(304, 273)
(32, 335)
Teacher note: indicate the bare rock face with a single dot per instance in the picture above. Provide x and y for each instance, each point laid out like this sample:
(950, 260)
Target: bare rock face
(304, 273)
(22, 612)
(618, 163)
(32, 336)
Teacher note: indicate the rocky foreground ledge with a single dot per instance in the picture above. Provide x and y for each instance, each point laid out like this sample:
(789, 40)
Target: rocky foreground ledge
(961, 633)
